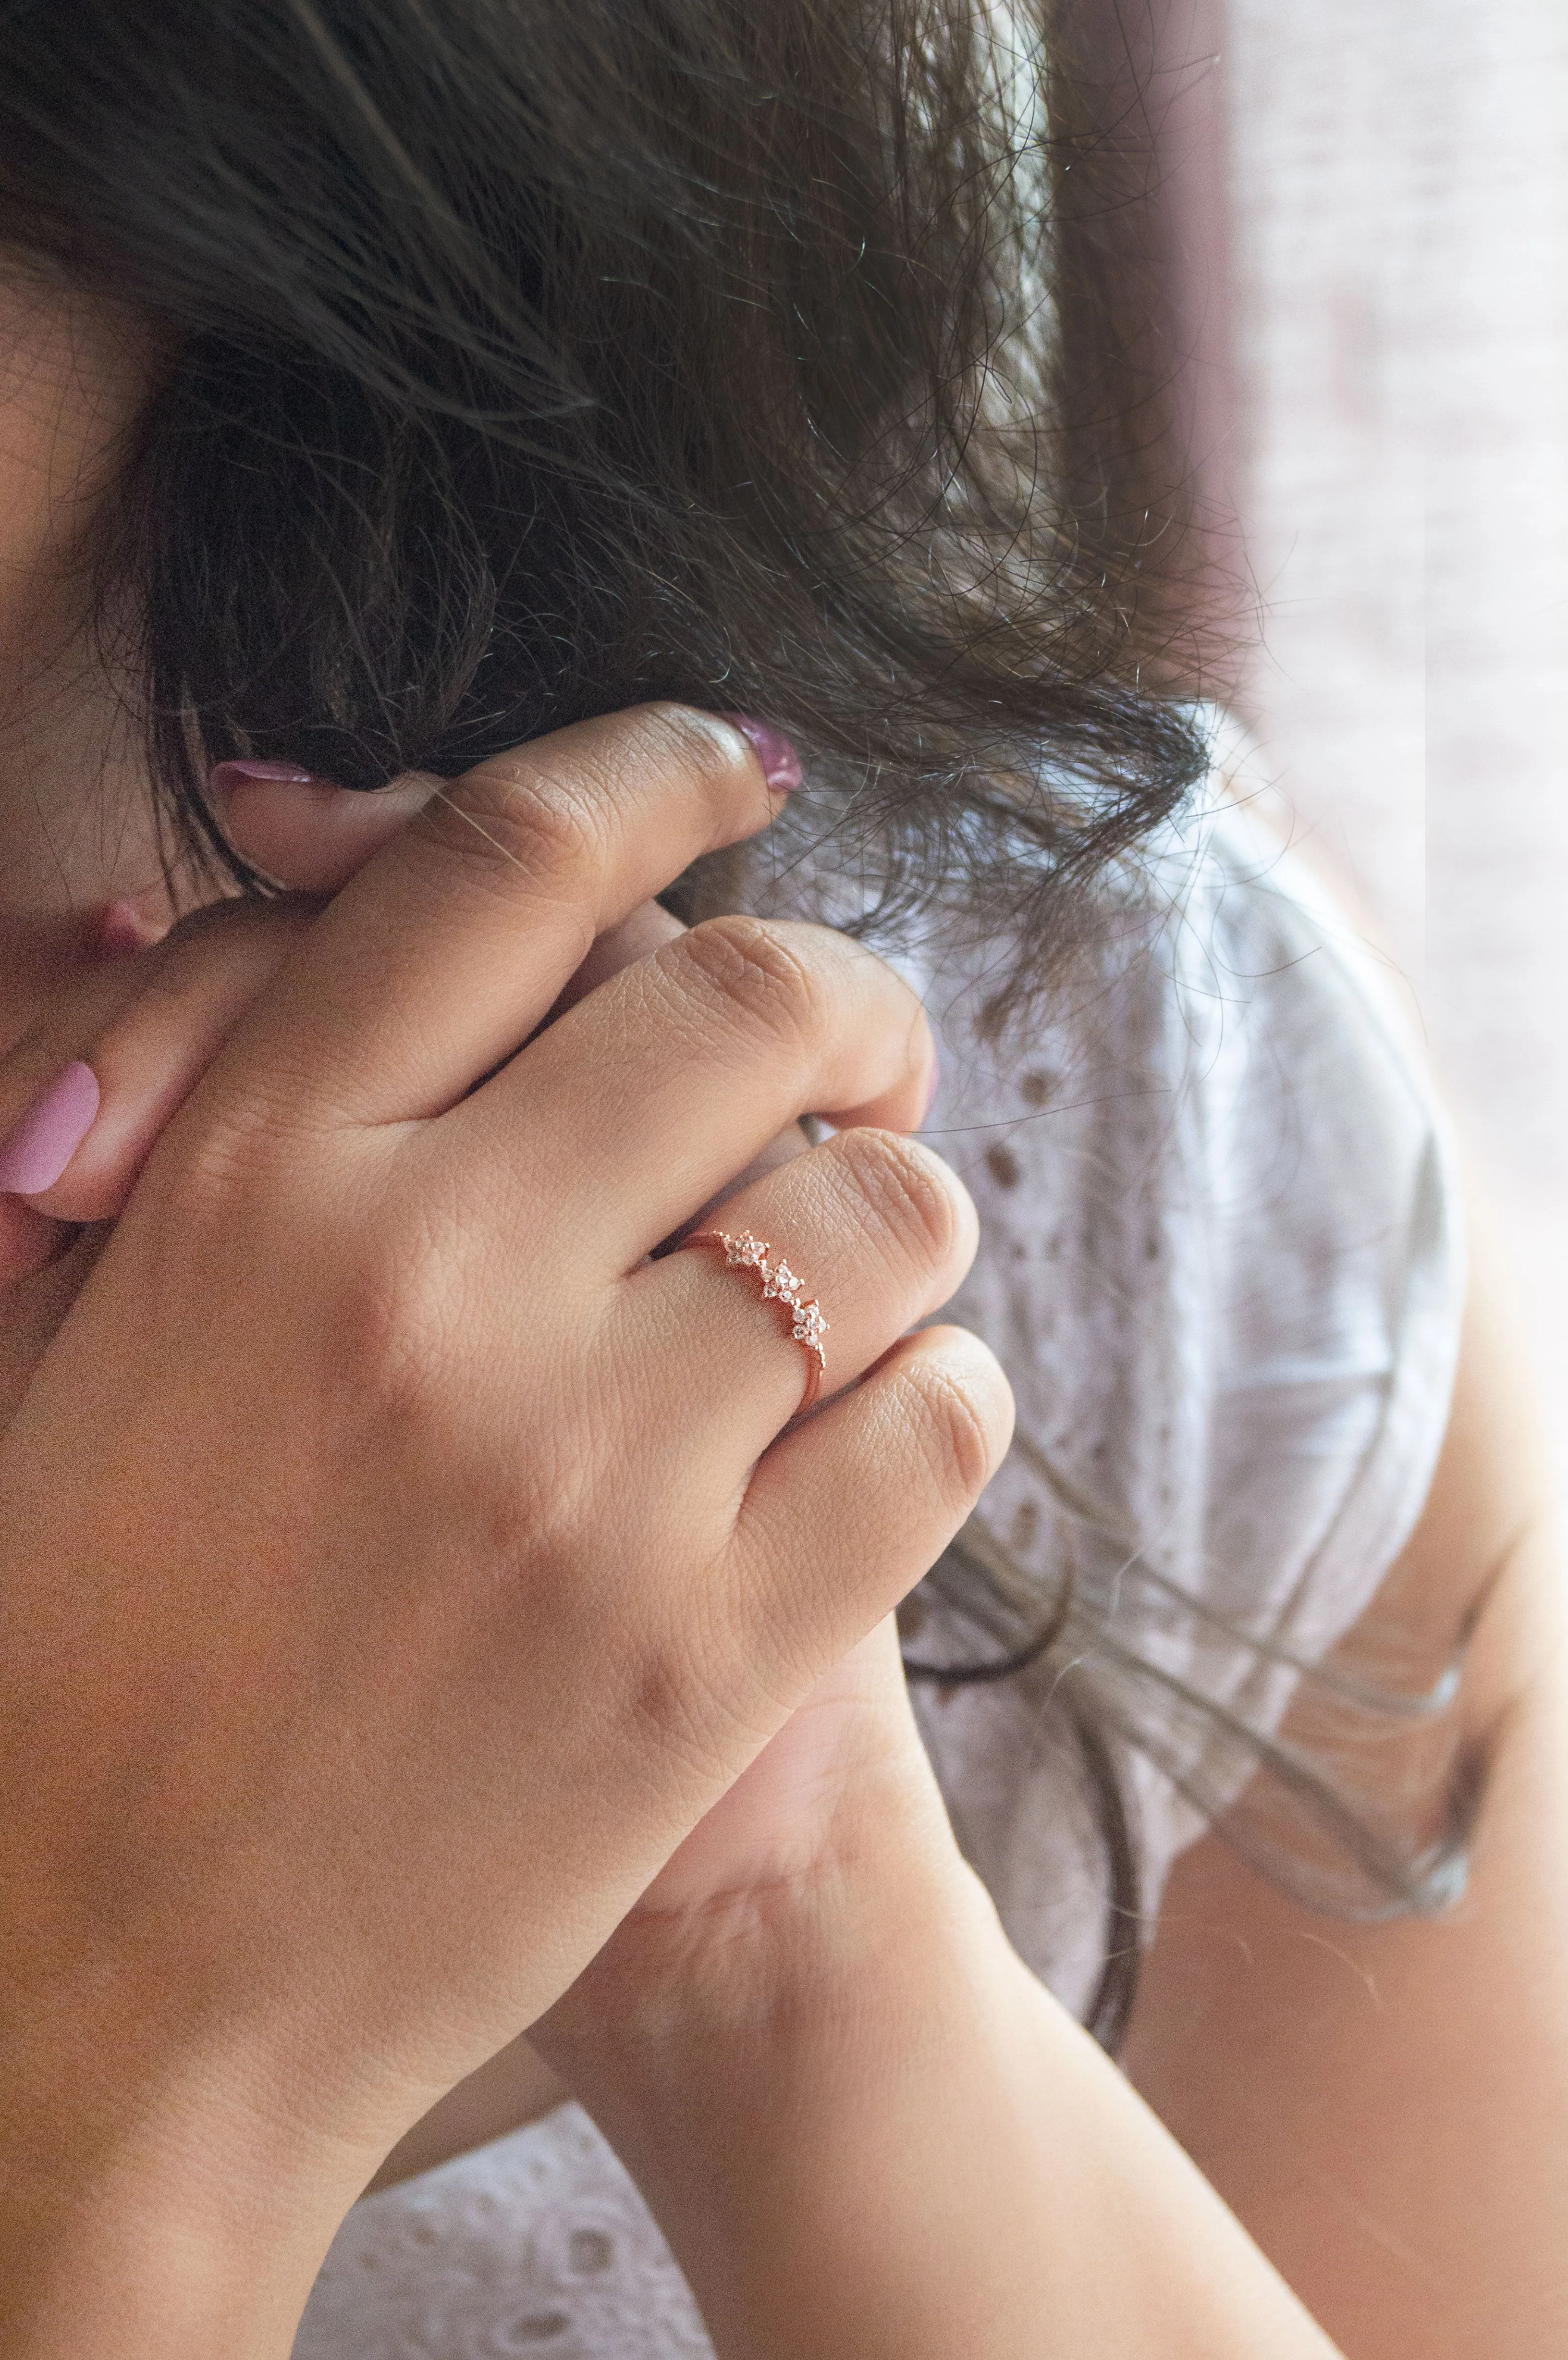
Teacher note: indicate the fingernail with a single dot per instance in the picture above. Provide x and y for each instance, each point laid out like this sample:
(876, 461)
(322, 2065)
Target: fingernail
(35, 1153)
(780, 763)
(931, 1088)
(224, 777)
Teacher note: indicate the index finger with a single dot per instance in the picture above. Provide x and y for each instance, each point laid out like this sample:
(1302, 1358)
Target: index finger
(439, 959)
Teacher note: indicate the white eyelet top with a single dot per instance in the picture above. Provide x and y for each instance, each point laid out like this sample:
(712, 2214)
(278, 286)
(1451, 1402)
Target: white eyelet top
(1221, 1262)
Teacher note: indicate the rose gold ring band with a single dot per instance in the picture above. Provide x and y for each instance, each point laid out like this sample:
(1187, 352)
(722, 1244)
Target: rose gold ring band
(780, 1286)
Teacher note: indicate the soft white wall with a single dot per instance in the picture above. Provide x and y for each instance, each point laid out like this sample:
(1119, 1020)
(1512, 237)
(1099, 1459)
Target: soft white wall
(1398, 176)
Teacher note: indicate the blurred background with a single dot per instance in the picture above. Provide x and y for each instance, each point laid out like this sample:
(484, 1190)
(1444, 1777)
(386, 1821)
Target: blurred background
(1359, 210)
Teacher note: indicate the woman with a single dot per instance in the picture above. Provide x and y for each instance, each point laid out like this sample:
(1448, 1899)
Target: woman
(470, 405)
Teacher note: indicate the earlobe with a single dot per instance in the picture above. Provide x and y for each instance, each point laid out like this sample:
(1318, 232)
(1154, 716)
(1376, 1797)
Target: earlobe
(305, 833)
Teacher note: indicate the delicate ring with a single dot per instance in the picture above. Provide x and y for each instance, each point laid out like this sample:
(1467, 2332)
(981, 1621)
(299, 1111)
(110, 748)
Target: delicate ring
(779, 1284)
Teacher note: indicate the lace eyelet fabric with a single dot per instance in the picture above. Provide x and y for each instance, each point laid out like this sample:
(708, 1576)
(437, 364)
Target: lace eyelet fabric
(538, 2244)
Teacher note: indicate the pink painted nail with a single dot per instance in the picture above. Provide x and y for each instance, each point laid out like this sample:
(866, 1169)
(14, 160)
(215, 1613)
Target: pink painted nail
(780, 763)
(35, 1153)
(224, 777)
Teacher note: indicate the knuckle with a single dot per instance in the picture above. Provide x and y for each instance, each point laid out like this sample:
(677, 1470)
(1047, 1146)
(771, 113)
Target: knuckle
(512, 813)
(396, 1331)
(902, 1189)
(955, 1431)
(208, 1174)
(681, 1681)
(754, 974)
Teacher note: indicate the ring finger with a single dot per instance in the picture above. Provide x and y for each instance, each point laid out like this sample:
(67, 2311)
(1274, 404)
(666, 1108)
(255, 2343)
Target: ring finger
(871, 1229)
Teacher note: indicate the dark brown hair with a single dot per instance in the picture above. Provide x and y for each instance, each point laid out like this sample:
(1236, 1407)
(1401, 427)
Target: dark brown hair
(528, 359)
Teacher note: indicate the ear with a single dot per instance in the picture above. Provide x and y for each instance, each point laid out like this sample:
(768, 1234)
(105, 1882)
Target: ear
(305, 833)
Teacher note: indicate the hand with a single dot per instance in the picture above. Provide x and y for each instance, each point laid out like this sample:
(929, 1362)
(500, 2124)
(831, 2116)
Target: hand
(148, 1025)
(412, 1633)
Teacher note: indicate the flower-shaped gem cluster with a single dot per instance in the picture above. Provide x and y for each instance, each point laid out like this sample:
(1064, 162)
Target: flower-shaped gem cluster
(779, 1283)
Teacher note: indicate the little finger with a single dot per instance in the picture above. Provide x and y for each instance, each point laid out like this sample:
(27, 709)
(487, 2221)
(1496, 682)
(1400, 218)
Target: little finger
(847, 1513)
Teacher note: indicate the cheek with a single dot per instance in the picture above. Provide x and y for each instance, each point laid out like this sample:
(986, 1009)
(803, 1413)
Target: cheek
(75, 375)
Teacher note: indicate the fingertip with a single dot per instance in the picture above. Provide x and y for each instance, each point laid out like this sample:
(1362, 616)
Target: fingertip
(976, 1398)
(39, 1146)
(779, 763)
(932, 1085)
(97, 1194)
(905, 1105)
(728, 756)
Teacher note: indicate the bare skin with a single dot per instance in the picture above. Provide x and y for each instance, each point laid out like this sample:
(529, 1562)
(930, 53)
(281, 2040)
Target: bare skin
(782, 1994)
(1385, 2105)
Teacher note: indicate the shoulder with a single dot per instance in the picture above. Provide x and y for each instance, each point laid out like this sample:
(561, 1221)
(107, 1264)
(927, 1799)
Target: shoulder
(1222, 1259)
(1218, 1172)
(1328, 1194)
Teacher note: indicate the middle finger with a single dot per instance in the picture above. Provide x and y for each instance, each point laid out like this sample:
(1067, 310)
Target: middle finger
(643, 1101)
